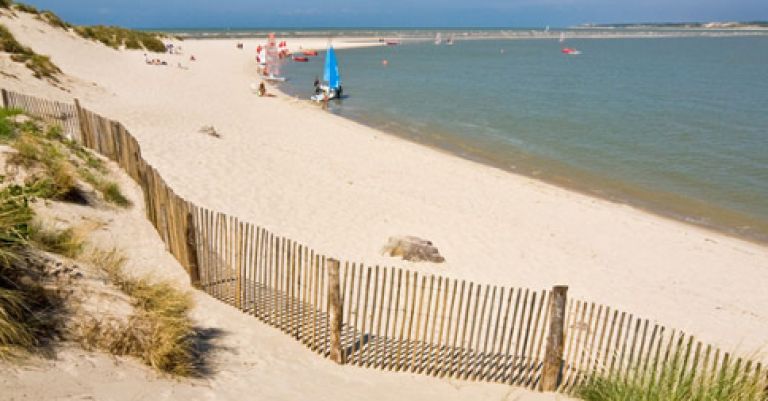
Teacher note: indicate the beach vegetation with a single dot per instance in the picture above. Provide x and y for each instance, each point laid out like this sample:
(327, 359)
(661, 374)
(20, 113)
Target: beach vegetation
(55, 164)
(54, 20)
(159, 332)
(26, 8)
(63, 242)
(117, 37)
(40, 65)
(27, 309)
(6, 3)
(671, 382)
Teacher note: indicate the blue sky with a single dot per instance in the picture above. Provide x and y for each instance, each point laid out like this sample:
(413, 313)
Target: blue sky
(396, 13)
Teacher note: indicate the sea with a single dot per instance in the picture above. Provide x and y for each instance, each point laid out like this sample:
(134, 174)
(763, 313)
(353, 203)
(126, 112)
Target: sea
(673, 124)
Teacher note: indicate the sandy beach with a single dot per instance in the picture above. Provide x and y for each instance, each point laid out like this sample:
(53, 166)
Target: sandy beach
(343, 189)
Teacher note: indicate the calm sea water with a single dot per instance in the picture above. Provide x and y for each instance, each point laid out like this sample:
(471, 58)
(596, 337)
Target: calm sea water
(675, 125)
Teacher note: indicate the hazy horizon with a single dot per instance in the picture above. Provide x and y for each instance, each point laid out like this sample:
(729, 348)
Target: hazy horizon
(396, 14)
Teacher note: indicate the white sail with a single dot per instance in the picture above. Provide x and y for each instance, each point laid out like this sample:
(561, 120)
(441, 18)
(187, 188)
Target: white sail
(562, 37)
(438, 38)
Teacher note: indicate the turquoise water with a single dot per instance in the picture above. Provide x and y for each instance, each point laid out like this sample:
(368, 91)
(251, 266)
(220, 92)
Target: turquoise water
(675, 125)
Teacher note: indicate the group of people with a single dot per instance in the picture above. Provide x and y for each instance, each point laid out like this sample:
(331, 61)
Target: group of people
(154, 61)
(157, 61)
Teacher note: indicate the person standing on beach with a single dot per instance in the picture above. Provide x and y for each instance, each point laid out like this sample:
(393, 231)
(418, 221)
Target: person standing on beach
(262, 89)
(317, 85)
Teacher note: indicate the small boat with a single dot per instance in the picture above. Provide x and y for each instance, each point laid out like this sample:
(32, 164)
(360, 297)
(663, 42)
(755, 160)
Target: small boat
(300, 59)
(449, 42)
(309, 52)
(331, 86)
(392, 42)
(570, 51)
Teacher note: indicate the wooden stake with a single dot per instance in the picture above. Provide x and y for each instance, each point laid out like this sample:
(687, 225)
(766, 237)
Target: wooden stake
(553, 358)
(336, 311)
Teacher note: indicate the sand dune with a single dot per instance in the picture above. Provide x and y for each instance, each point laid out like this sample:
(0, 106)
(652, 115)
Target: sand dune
(343, 189)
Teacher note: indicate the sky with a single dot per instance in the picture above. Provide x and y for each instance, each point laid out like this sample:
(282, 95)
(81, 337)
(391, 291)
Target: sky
(396, 13)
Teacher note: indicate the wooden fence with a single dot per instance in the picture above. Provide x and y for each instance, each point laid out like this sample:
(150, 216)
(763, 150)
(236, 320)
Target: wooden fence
(391, 318)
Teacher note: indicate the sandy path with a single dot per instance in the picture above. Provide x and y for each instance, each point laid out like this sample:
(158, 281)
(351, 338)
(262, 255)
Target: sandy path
(343, 188)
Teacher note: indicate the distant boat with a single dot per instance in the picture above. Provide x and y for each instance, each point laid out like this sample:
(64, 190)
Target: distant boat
(570, 51)
(438, 38)
(330, 88)
(301, 59)
(309, 52)
(392, 42)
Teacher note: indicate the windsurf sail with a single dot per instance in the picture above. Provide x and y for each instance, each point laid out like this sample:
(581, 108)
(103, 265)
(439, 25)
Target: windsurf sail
(438, 38)
(272, 57)
(331, 70)
(562, 37)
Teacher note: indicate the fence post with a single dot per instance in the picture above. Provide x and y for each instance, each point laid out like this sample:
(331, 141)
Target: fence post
(84, 140)
(553, 356)
(6, 101)
(194, 268)
(335, 311)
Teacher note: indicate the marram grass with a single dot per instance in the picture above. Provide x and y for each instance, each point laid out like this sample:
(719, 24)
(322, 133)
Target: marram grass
(160, 332)
(671, 383)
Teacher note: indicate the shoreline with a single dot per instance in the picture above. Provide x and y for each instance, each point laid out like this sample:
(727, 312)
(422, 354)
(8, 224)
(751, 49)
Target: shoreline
(711, 218)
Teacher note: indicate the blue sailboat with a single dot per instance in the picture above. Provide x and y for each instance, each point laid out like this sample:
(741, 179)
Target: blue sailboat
(331, 85)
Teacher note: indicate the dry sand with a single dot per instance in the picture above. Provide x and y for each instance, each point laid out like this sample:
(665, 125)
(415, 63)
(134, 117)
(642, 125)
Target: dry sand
(343, 189)
(247, 360)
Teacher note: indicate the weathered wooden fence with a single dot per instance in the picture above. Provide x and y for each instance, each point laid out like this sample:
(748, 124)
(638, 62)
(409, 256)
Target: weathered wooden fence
(391, 318)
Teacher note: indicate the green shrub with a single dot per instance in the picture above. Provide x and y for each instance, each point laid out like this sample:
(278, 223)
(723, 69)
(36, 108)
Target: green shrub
(6, 3)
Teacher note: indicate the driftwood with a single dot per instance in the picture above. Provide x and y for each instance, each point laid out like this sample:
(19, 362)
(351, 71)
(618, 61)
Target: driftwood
(413, 249)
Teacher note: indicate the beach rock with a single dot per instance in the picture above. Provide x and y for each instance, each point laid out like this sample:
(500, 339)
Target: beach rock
(413, 249)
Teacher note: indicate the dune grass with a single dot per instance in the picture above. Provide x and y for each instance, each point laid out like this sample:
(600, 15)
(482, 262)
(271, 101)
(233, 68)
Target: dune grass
(671, 383)
(26, 8)
(63, 242)
(40, 65)
(115, 37)
(54, 20)
(159, 332)
(58, 162)
(25, 305)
